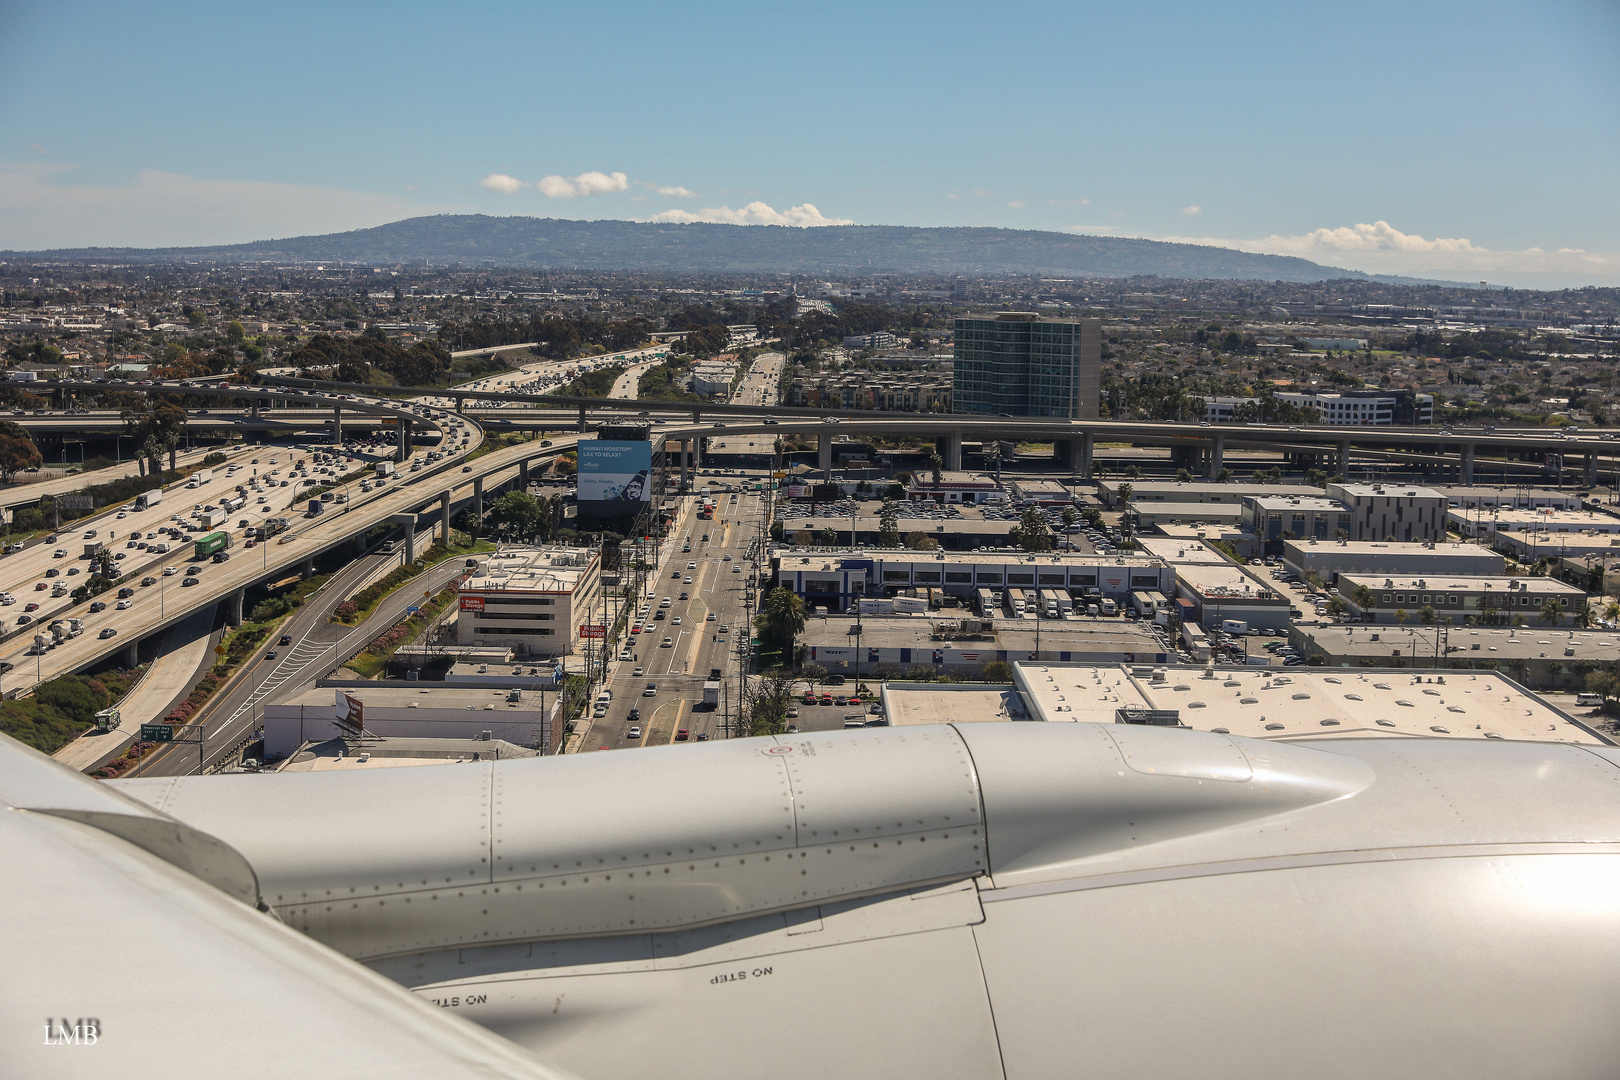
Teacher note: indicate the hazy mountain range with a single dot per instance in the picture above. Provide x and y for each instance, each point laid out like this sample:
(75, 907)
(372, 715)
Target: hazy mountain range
(553, 243)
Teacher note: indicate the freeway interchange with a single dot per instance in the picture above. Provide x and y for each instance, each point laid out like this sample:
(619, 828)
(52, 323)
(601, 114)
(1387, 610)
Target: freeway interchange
(453, 479)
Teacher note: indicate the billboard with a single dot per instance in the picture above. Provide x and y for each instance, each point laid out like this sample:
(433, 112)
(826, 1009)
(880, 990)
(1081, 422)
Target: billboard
(615, 477)
(472, 603)
(351, 709)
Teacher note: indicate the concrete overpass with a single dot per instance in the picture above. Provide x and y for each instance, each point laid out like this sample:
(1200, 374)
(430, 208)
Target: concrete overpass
(1074, 440)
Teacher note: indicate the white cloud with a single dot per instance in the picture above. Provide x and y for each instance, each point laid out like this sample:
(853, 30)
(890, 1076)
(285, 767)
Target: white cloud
(671, 192)
(1190, 211)
(804, 215)
(40, 207)
(506, 185)
(586, 183)
(1016, 204)
(1380, 248)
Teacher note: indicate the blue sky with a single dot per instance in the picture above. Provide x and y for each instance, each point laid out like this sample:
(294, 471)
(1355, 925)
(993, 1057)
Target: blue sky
(1472, 141)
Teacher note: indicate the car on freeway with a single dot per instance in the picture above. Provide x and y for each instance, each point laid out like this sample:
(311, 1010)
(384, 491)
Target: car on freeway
(691, 566)
(682, 735)
(24, 620)
(98, 607)
(709, 617)
(676, 621)
(30, 607)
(188, 581)
(40, 586)
(107, 632)
(170, 571)
(270, 655)
(703, 736)
(634, 732)
(122, 604)
(52, 572)
(148, 581)
(651, 690)
(667, 643)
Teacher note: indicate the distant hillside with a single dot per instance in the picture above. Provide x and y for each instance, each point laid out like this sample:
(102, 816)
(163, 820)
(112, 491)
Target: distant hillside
(631, 245)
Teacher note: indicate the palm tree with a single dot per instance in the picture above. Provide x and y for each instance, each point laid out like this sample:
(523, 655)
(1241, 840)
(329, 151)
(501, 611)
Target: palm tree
(935, 462)
(1552, 611)
(1363, 598)
(781, 618)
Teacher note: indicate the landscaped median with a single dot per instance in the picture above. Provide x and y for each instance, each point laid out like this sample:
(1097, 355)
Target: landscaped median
(374, 658)
(359, 607)
(61, 710)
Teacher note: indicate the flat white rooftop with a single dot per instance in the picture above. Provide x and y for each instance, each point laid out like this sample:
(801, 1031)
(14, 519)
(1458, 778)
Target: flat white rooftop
(1304, 703)
(530, 569)
(1178, 551)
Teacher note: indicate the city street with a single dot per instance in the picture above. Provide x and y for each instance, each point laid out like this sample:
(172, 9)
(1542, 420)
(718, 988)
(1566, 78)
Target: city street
(720, 579)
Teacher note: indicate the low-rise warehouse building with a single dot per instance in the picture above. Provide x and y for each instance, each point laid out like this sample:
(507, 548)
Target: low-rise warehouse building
(1151, 515)
(1528, 545)
(1473, 522)
(891, 646)
(1327, 560)
(1276, 518)
(1511, 497)
(1301, 704)
(1208, 594)
(1381, 598)
(835, 580)
(316, 716)
(1195, 491)
(1537, 657)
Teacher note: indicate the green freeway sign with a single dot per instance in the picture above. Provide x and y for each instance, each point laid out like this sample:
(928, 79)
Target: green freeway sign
(157, 733)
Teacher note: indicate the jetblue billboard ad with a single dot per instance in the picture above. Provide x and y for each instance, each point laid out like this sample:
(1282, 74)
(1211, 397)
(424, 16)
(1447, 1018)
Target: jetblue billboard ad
(614, 477)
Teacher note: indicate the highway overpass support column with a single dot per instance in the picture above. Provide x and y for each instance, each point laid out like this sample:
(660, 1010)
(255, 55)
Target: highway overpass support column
(951, 451)
(132, 655)
(1217, 450)
(1467, 469)
(1591, 461)
(1343, 468)
(824, 454)
(404, 440)
(233, 607)
(337, 425)
(478, 496)
(1088, 446)
(582, 419)
(444, 518)
(308, 569)
(523, 475)
(684, 454)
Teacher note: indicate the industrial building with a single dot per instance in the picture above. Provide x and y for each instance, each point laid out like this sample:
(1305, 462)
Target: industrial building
(1537, 657)
(522, 717)
(962, 646)
(1393, 599)
(1195, 491)
(1327, 560)
(1303, 703)
(529, 599)
(1276, 518)
(1483, 522)
(835, 580)
(1392, 511)
(1018, 364)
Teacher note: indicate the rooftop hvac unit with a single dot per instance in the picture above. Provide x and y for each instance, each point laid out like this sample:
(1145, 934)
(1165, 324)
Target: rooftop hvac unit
(1148, 717)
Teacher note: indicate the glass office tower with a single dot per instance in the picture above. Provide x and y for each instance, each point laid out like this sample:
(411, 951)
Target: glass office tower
(1017, 363)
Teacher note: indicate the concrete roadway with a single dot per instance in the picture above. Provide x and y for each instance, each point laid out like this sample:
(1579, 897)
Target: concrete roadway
(317, 647)
(696, 645)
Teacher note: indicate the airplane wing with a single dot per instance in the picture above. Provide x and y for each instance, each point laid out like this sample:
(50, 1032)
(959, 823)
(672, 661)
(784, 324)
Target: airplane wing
(134, 945)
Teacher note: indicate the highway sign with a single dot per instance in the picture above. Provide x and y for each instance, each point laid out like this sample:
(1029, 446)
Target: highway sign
(76, 502)
(157, 733)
